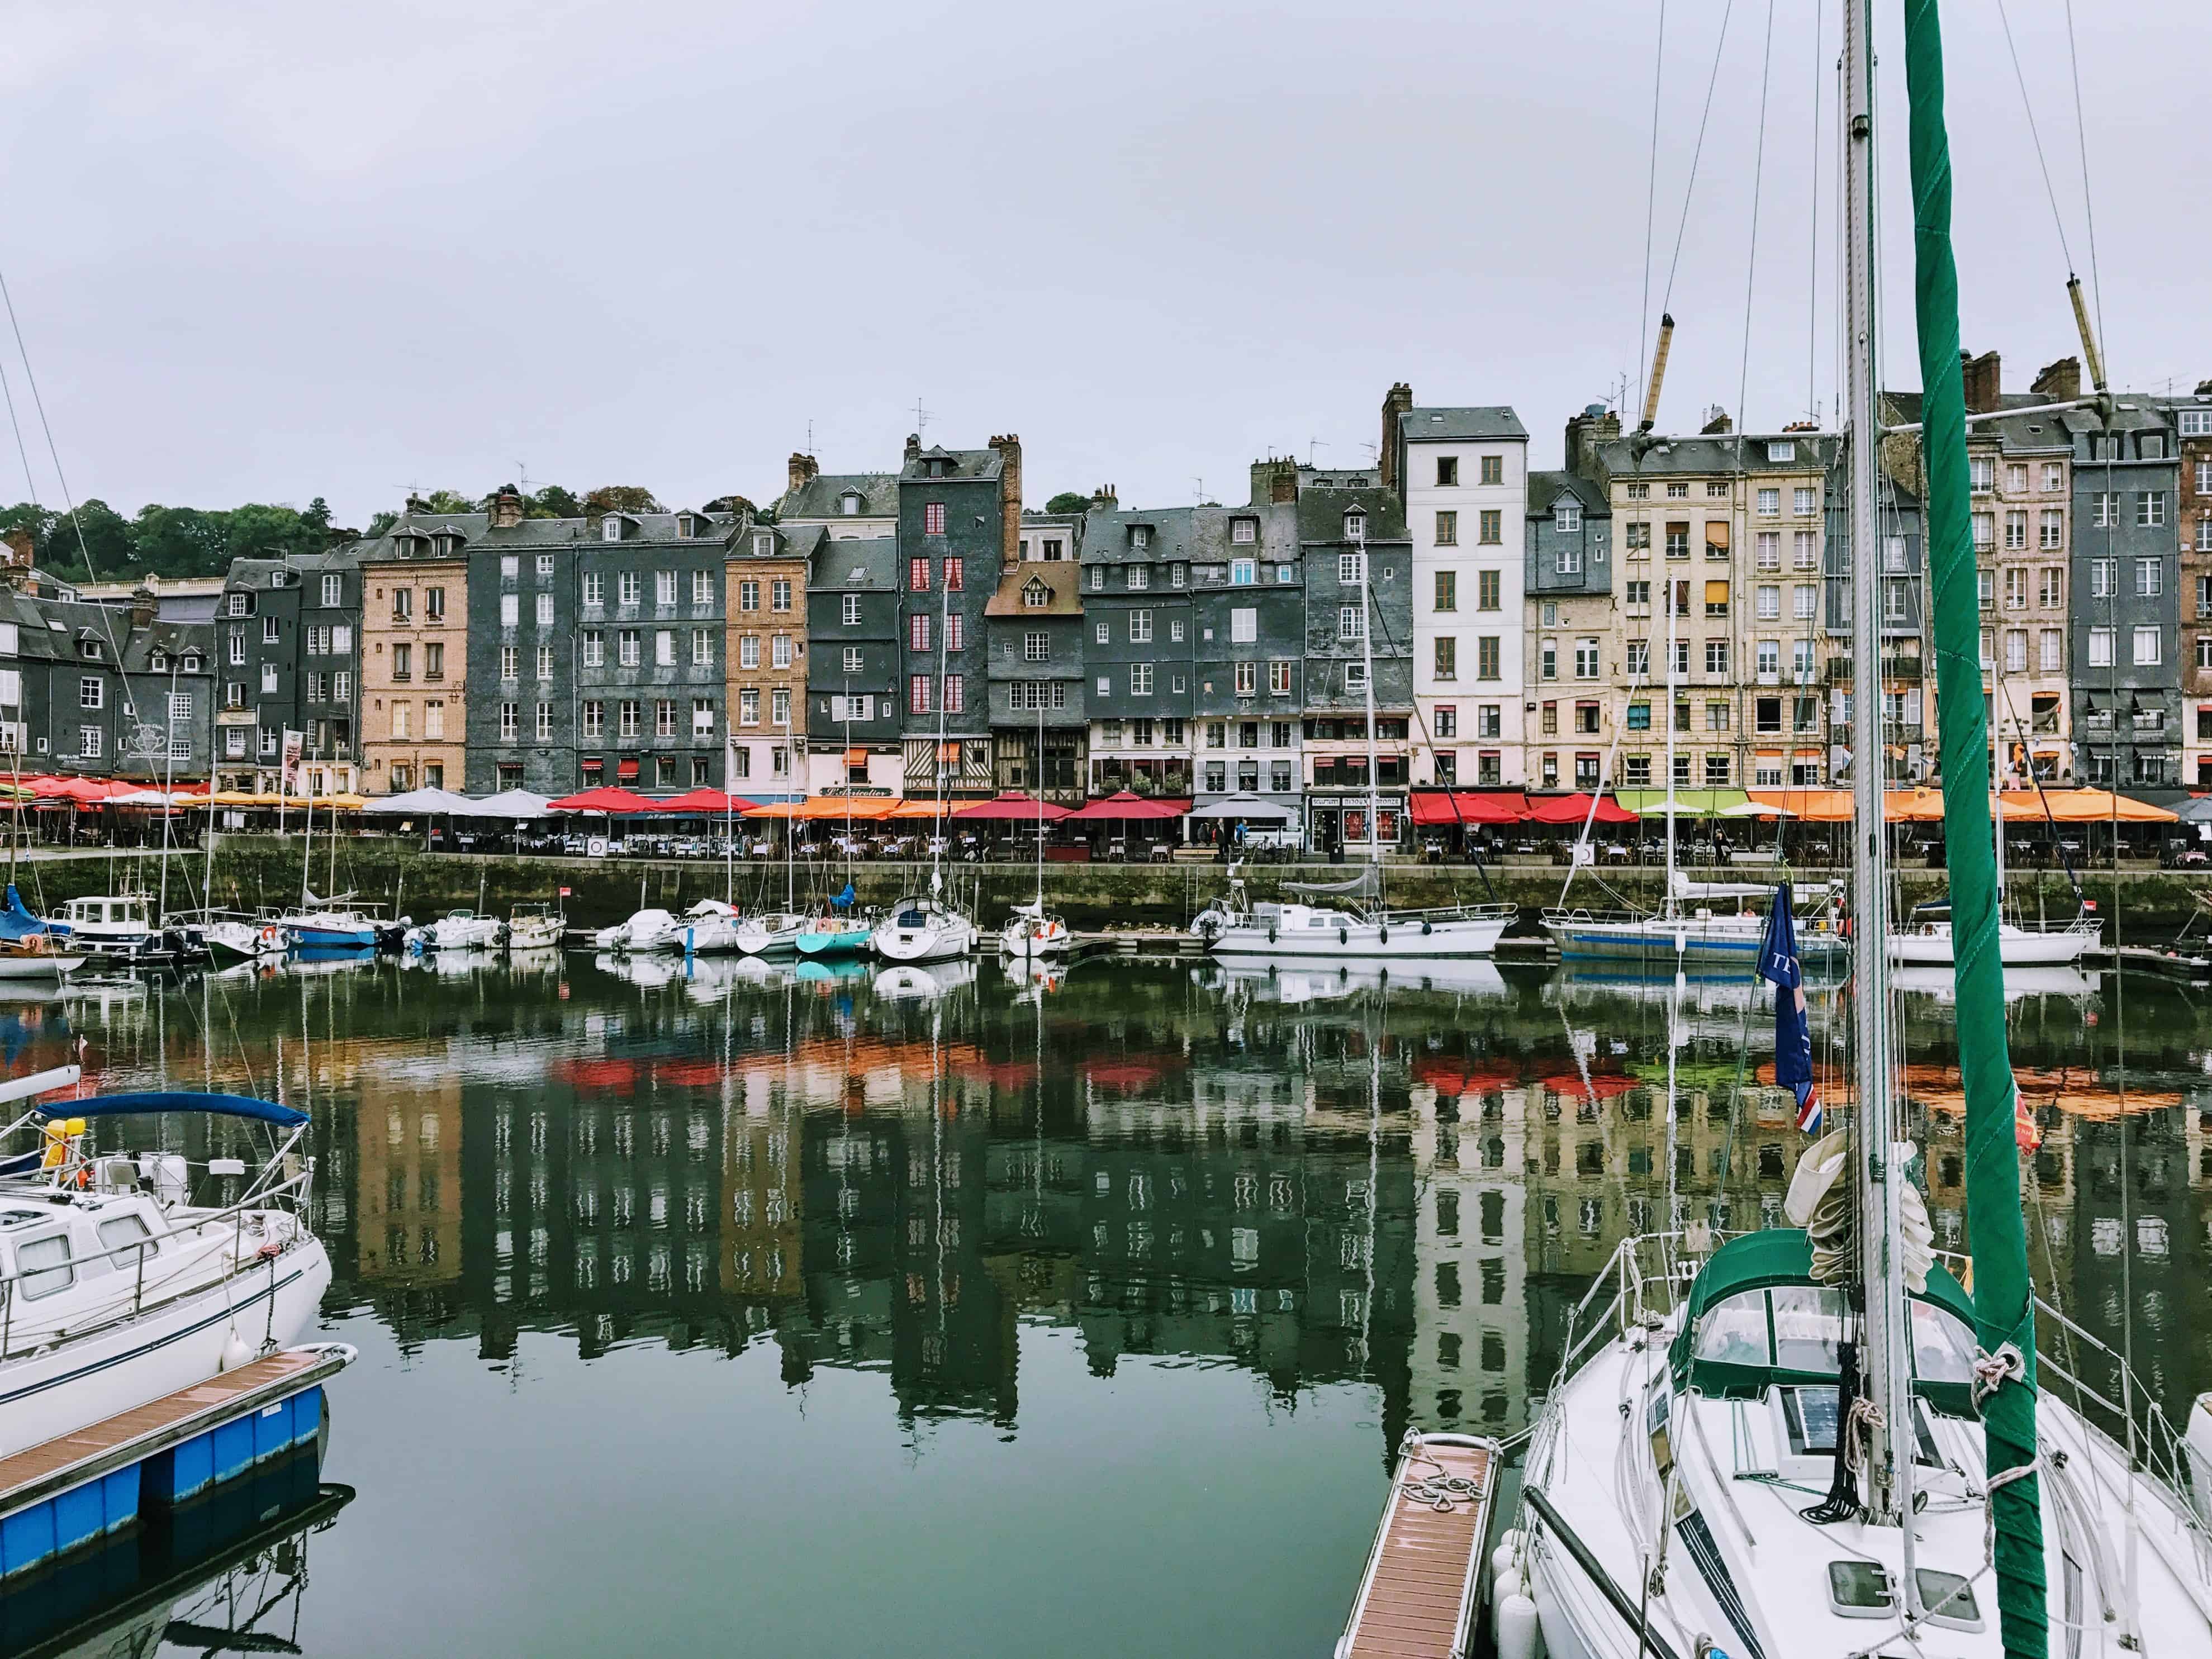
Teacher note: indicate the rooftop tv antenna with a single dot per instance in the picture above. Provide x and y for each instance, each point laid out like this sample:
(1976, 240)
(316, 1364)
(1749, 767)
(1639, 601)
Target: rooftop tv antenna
(921, 419)
(1312, 444)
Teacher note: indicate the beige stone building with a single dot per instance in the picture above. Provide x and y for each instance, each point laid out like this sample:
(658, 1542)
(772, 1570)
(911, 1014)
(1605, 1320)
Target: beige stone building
(413, 666)
(765, 658)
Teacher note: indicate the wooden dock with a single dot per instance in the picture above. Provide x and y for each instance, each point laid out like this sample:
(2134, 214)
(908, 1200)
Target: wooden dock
(2171, 964)
(1417, 1598)
(40, 1471)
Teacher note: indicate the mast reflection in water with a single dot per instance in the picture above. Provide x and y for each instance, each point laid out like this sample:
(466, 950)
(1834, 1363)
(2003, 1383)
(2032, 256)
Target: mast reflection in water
(1040, 1212)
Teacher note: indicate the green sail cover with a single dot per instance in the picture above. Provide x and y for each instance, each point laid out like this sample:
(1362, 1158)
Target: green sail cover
(2004, 1310)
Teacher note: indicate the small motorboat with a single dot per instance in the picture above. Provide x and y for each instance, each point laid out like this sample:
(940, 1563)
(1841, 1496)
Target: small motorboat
(38, 957)
(461, 930)
(121, 1286)
(776, 933)
(834, 936)
(229, 936)
(708, 928)
(535, 927)
(332, 924)
(1034, 931)
(117, 928)
(645, 930)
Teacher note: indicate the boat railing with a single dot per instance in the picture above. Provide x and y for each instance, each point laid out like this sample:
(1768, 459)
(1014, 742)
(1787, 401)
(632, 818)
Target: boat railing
(1500, 911)
(83, 1322)
(1583, 916)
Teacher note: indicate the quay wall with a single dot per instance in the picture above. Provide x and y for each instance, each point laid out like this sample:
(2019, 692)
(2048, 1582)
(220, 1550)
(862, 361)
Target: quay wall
(252, 871)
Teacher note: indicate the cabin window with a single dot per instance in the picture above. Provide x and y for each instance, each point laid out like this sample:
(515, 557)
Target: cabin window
(45, 1266)
(119, 1233)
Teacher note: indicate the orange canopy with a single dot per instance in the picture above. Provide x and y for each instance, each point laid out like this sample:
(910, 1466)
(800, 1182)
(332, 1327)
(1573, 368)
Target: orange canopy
(1926, 806)
(861, 810)
(927, 808)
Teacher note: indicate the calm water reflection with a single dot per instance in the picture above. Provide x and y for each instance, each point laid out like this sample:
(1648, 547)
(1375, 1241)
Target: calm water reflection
(727, 1310)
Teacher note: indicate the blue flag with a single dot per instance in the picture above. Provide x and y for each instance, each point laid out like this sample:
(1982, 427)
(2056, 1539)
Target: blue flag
(1793, 1029)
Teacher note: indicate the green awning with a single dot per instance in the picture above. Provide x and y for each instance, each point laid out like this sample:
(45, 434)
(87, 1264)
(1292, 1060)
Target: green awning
(1688, 803)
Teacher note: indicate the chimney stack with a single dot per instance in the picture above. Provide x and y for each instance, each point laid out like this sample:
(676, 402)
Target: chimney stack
(506, 508)
(802, 470)
(1274, 480)
(1586, 432)
(1103, 500)
(2061, 382)
(912, 448)
(1010, 498)
(141, 608)
(1984, 385)
(1395, 404)
(1716, 422)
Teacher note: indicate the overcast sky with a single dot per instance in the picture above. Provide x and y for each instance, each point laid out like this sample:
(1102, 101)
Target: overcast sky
(269, 250)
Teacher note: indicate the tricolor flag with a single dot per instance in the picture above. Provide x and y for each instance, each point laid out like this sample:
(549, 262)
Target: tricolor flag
(1793, 1030)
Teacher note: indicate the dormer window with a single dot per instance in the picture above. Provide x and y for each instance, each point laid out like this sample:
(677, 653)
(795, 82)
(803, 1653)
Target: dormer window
(90, 648)
(160, 663)
(1566, 515)
(191, 663)
(611, 528)
(683, 526)
(442, 546)
(1036, 596)
(1355, 525)
(764, 543)
(235, 604)
(849, 503)
(1140, 535)
(1243, 532)
(1781, 449)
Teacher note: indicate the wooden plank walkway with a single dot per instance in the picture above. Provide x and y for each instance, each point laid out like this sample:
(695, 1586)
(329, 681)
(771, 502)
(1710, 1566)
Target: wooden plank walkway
(1417, 1598)
(38, 1472)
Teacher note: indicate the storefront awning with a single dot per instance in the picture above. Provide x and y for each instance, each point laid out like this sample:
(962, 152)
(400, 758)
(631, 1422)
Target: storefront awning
(1469, 806)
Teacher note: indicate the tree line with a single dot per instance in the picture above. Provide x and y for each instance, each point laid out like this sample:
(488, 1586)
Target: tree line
(99, 544)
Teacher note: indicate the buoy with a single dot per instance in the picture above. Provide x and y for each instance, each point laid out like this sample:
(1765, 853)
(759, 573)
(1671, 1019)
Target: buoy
(234, 1352)
(1517, 1630)
(1503, 1558)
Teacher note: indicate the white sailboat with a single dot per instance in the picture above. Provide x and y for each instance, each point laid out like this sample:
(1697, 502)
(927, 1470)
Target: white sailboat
(1356, 922)
(1033, 933)
(927, 927)
(1713, 1391)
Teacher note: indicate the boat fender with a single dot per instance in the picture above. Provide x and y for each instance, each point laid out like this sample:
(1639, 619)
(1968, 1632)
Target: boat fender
(1343, 934)
(1516, 1628)
(1427, 928)
(234, 1352)
(1384, 937)
(1502, 1558)
(1271, 932)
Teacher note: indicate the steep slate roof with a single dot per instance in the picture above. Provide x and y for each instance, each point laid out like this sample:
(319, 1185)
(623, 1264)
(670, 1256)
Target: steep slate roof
(817, 498)
(966, 463)
(1723, 452)
(1062, 581)
(1321, 510)
(478, 534)
(794, 544)
(173, 638)
(1545, 488)
(1475, 421)
(1200, 535)
(854, 564)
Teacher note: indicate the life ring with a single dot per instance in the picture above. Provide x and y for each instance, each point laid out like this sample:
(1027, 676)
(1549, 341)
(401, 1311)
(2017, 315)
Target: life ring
(269, 937)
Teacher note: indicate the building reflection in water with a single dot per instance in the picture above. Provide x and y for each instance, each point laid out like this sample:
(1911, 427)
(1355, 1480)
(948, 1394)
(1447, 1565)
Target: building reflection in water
(1314, 1178)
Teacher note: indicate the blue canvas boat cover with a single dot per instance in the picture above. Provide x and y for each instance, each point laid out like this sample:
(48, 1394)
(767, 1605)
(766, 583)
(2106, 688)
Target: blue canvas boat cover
(164, 1100)
(16, 922)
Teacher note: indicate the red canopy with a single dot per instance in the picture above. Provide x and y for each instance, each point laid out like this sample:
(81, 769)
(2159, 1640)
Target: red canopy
(1574, 809)
(1013, 804)
(603, 800)
(698, 803)
(85, 792)
(1125, 806)
(1603, 1086)
(1471, 806)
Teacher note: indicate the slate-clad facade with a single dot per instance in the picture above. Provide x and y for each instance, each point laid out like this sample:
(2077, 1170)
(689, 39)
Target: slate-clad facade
(854, 663)
(1035, 667)
(2126, 616)
(955, 532)
(1567, 572)
(1248, 625)
(1138, 658)
(1351, 532)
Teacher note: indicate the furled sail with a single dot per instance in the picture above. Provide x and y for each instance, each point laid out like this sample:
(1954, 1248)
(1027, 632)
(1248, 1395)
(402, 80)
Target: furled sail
(1366, 884)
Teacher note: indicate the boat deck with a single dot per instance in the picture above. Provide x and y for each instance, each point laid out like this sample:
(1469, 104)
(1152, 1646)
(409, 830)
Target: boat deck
(1418, 1598)
(127, 1437)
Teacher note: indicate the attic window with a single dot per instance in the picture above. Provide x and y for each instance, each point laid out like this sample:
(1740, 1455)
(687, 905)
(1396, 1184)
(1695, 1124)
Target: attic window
(1140, 535)
(1037, 596)
(160, 662)
(764, 543)
(1566, 515)
(610, 530)
(849, 503)
(860, 573)
(683, 526)
(1355, 526)
(90, 647)
(1246, 531)
(192, 662)
(1781, 449)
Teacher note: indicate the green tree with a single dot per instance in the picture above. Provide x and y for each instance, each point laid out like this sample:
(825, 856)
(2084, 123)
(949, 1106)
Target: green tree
(622, 498)
(447, 500)
(1068, 500)
(553, 502)
(317, 515)
(381, 523)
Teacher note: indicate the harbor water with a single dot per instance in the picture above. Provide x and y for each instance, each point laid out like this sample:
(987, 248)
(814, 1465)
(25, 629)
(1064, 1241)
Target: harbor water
(714, 1308)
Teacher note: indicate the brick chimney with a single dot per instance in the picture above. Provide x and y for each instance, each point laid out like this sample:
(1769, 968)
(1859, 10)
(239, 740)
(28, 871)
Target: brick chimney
(1984, 385)
(912, 448)
(1395, 403)
(1587, 433)
(141, 608)
(1103, 500)
(1274, 480)
(1010, 498)
(2061, 382)
(1716, 424)
(506, 508)
(802, 470)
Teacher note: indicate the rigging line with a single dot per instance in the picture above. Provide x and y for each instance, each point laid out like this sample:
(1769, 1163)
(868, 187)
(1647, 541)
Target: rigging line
(2088, 196)
(1751, 263)
(1690, 189)
(15, 422)
(2035, 132)
(1813, 272)
(1650, 206)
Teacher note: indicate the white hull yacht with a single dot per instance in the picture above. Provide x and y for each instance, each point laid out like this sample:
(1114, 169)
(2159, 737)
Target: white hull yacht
(1233, 927)
(776, 933)
(1929, 944)
(116, 1288)
(1034, 932)
(918, 930)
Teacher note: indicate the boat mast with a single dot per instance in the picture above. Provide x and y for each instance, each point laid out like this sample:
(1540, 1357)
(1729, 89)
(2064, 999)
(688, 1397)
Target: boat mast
(1367, 657)
(1674, 690)
(791, 823)
(1888, 1496)
(944, 641)
(1037, 782)
(308, 847)
(2004, 1308)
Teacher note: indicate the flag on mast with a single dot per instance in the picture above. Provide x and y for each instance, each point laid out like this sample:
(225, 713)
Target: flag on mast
(1793, 1029)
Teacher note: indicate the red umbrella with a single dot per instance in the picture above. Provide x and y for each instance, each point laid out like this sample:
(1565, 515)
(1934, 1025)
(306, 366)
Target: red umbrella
(698, 803)
(1013, 804)
(1603, 1086)
(603, 800)
(1575, 808)
(1124, 807)
(86, 791)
